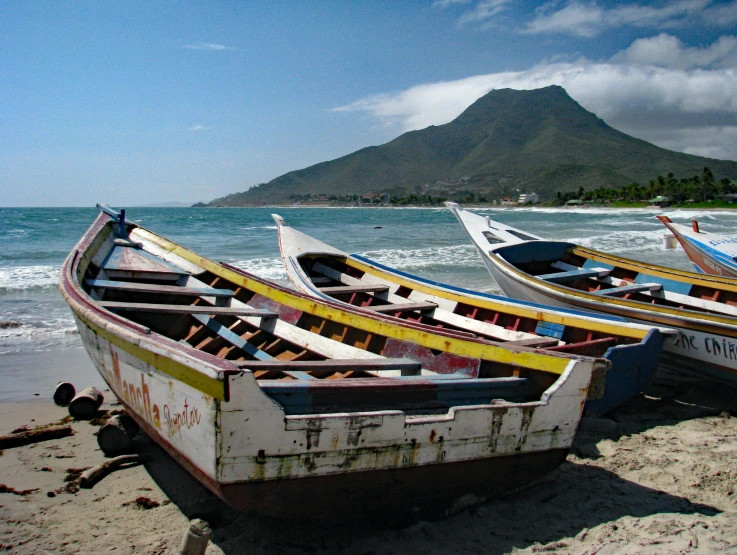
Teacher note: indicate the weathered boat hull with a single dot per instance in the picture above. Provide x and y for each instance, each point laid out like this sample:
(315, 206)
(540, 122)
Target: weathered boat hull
(216, 419)
(706, 344)
(710, 253)
(633, 364)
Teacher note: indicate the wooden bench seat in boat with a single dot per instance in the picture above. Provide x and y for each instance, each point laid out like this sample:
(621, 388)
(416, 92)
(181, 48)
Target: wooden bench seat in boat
(405, 393)
(624, 290)
(128, 262)
(575, 274)
(368, 288)
(187, 309)
(401, 307)
(534, 342)
(159, 289)
(329, 366)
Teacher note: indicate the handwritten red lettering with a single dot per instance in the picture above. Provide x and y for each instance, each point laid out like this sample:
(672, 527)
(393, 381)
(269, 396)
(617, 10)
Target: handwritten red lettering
(186, 418)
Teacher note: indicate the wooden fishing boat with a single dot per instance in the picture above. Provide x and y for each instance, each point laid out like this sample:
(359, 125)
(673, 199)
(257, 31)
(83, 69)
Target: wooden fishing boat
(286, 405)
(702, 308)
(711, 253)
(326, 272)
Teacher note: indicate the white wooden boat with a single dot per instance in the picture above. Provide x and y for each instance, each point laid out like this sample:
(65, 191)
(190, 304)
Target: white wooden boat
(711, 253)
(285, 405)
(702, 308)
(326, 272)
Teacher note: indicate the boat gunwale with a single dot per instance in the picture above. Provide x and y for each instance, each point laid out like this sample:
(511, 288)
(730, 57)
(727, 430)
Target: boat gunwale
(665, 315)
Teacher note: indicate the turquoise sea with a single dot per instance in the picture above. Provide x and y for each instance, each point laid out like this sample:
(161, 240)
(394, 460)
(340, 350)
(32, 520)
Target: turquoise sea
(37, 331)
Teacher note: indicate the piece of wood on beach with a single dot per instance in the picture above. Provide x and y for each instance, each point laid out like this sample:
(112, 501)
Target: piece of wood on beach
(64, 392)
(115, 437)
(34, 436)
(85, 404)
(90, 477)
(196, 538)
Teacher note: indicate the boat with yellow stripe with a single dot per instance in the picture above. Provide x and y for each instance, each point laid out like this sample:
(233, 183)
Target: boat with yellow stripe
(326, 272)
(284, 404)
(702, 308)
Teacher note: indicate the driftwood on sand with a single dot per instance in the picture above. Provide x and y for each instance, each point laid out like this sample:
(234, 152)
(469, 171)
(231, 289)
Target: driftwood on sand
(85, 404)
(116, 435)
(33, 436)
(64, 392)
(90, 477)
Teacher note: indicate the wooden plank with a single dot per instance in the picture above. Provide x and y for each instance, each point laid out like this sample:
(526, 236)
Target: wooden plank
(334, 365)
(575, 274)
(535, 342)
(187, 309)
(233, 338)
(299, 375)
(401, 307)
(636, 288)
(378, 288)
(159, 289)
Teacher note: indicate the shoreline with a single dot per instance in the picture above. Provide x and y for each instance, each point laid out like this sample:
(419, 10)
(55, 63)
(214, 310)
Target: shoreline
(658, 475)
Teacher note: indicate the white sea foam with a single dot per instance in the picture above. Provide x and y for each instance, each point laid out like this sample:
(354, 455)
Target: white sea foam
(267, 268)
(28, 277)
(457, 256)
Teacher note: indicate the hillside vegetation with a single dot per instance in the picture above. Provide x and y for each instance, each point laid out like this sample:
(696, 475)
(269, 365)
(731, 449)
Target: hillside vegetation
(507, 142)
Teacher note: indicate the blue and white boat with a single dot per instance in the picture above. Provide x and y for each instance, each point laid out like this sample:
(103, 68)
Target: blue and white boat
(703, 308)
(711, 253)
(328, 273)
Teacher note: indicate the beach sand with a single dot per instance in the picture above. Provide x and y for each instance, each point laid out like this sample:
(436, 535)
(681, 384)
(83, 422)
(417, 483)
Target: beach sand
(658, 476)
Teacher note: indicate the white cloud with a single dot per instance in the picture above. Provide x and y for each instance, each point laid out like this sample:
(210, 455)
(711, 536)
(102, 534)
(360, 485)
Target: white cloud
(201, 45)
(589, 19)
(689, 110)
(485, 11)
(668, 51)
(198, 128)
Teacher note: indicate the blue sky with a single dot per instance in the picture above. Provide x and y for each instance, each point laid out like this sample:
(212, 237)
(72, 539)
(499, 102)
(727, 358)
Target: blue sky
(133, 103)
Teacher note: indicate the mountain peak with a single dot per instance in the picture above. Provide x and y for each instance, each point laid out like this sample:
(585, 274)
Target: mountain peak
(508, 140)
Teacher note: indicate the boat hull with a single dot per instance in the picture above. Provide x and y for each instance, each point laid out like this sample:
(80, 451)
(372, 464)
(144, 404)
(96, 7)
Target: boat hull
(710, 253)
(217, 420)
(706, 353)
(393, 495)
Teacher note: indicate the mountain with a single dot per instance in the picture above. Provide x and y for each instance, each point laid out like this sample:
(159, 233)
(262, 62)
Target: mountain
(508, 140)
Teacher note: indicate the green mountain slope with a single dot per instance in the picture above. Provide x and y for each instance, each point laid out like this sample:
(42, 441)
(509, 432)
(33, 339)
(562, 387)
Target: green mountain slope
(508, 140)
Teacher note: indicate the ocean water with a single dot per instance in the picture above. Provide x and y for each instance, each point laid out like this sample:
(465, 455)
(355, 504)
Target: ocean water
(36, 326)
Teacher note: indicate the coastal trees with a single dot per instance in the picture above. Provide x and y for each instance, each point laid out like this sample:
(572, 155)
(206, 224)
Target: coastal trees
(702, 188)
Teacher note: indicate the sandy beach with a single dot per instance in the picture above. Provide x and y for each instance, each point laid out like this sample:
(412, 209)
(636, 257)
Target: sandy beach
(658, 476)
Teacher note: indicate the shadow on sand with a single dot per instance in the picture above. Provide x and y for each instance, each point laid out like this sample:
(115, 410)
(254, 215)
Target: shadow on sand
(587, 495)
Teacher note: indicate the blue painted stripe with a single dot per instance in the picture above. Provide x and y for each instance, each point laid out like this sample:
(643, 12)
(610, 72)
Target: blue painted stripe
(721, 256)
(488, 295)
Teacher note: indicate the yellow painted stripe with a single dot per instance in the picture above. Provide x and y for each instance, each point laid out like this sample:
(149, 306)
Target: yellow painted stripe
(716, 282)
(527, 359)
(180, 372)
(610, 328)
(657, 314)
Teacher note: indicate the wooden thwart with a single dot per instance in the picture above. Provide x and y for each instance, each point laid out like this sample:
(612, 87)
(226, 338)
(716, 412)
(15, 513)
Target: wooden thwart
(339, 289)
(159, 289)
(333, 365)
(635, 288)
(187, 309)
(535, 342)
(575, 274)
(401, 307)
